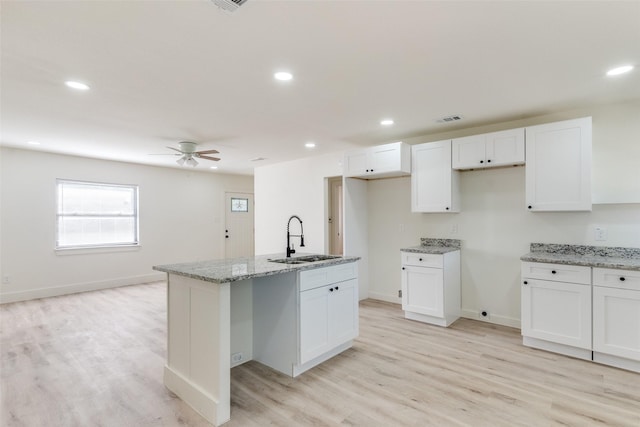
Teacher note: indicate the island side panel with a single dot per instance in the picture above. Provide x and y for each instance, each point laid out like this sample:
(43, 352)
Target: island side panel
(198, 365)
(275, 321)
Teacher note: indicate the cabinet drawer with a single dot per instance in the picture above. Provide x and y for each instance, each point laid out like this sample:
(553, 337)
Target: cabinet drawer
(311, 279)
(557, 272)
(613, 278)
(422, 260)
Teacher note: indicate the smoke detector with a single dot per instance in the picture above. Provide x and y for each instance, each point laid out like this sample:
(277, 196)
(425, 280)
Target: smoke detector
(229, 5)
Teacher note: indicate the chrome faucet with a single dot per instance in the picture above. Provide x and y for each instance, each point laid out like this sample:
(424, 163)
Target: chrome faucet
(290, 249)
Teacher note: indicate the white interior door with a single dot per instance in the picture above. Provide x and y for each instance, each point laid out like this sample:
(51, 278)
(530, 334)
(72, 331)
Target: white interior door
(238, 219)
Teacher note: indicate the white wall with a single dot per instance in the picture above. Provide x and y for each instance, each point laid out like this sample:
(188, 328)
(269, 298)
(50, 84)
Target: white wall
(494, 225)
(181, 219)
(293, 188)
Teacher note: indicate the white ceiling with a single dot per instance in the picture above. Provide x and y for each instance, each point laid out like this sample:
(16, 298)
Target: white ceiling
(165, 71)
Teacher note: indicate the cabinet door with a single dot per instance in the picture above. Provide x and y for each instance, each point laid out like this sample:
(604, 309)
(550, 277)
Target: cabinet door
(422, 290)
(616, 322)
(434, 185)
(505, 148)
(558, 170)
(468, 152)
(356, 163)
(384, 158)
(557, 312)
(343, 312)
(314, 323)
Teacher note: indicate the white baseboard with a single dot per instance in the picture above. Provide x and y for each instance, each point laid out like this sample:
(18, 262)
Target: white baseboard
(385, 297)
(492, 318)
(79, 287)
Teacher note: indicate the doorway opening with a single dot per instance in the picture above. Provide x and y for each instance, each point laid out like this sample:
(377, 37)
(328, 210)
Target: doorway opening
(335, 215)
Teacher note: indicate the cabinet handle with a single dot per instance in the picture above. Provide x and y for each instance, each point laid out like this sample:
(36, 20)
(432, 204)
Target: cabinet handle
(525, 282)
(447, 208)
(403, 268)
(481, 161)
(553, 272)
(367, 170)
(622, 279)
(330, 289)
(419, 259)
(371, 170)
(489, 161)
(337, 287)
(529, 207)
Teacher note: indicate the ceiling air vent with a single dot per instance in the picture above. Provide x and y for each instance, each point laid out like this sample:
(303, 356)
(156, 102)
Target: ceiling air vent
(229, 5)
(448, 119)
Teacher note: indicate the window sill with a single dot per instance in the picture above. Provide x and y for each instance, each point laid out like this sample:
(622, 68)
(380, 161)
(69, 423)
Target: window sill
(97, 250)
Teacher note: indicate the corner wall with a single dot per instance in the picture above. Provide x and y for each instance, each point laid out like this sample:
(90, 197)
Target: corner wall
(181, 219)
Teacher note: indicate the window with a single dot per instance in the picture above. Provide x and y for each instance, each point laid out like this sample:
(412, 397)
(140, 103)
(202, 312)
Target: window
(92, 214)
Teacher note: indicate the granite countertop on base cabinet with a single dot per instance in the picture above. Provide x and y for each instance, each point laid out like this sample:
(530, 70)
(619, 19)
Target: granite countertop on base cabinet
(434, 246)
(588, 256)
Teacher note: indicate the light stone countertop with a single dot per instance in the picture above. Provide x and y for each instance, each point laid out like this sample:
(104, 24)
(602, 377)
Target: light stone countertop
(434, 246)
(588, 256)
(236, 269)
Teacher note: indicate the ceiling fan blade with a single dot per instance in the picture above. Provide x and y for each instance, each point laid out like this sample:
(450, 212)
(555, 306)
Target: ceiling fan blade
(163, 154)
(208, 152)
(215, 159)
(174, 149)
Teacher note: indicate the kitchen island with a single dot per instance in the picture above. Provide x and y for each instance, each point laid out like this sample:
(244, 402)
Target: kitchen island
(289, 315)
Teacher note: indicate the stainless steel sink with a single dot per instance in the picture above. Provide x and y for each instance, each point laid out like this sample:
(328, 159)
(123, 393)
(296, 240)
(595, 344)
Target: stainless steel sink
(315, 258)
(304, 259)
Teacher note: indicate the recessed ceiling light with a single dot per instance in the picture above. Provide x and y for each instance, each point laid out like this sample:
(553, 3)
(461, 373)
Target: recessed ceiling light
(33, 143)
(310, 144)
(76, 85)
(258, 159)
(386, 122)
(213, 167)
(283, 76)
(619, 70)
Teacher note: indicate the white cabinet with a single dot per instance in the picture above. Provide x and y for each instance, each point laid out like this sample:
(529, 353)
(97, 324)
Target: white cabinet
(431, 287)
(616, 317)
(556, 308)
(381, 161)
(328, 311)
(434, 185)
(494, 149)
(558, 169)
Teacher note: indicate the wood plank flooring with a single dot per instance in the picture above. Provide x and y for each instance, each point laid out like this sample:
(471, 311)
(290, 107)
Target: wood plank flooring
(96, 359)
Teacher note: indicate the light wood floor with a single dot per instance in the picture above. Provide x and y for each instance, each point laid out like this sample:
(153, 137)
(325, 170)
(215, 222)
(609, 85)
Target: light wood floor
(96, 359)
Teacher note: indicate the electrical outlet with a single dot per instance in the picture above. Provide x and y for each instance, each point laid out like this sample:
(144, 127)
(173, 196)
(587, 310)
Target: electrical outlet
(484, 314)
(6, 280)
(600, 234)
(454, 229)
(236, 357)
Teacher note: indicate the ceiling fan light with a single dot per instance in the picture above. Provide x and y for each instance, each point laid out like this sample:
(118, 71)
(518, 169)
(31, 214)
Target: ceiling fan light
(191, 162)
(180, 161)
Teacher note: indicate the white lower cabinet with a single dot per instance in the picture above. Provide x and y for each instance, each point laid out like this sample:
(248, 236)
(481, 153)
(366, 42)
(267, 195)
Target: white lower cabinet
(557, 312)
(556, 308)
(328, 318)
(328, 312)
(616, 318)
(592, 314)
(431, 287)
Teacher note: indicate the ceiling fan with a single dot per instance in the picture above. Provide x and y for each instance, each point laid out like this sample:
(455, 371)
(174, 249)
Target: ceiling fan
(188, 153)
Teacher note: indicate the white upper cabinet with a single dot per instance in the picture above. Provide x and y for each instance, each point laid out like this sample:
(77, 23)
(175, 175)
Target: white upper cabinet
(381, 161)
(434, 185)
(558, 170)
(494, 149)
